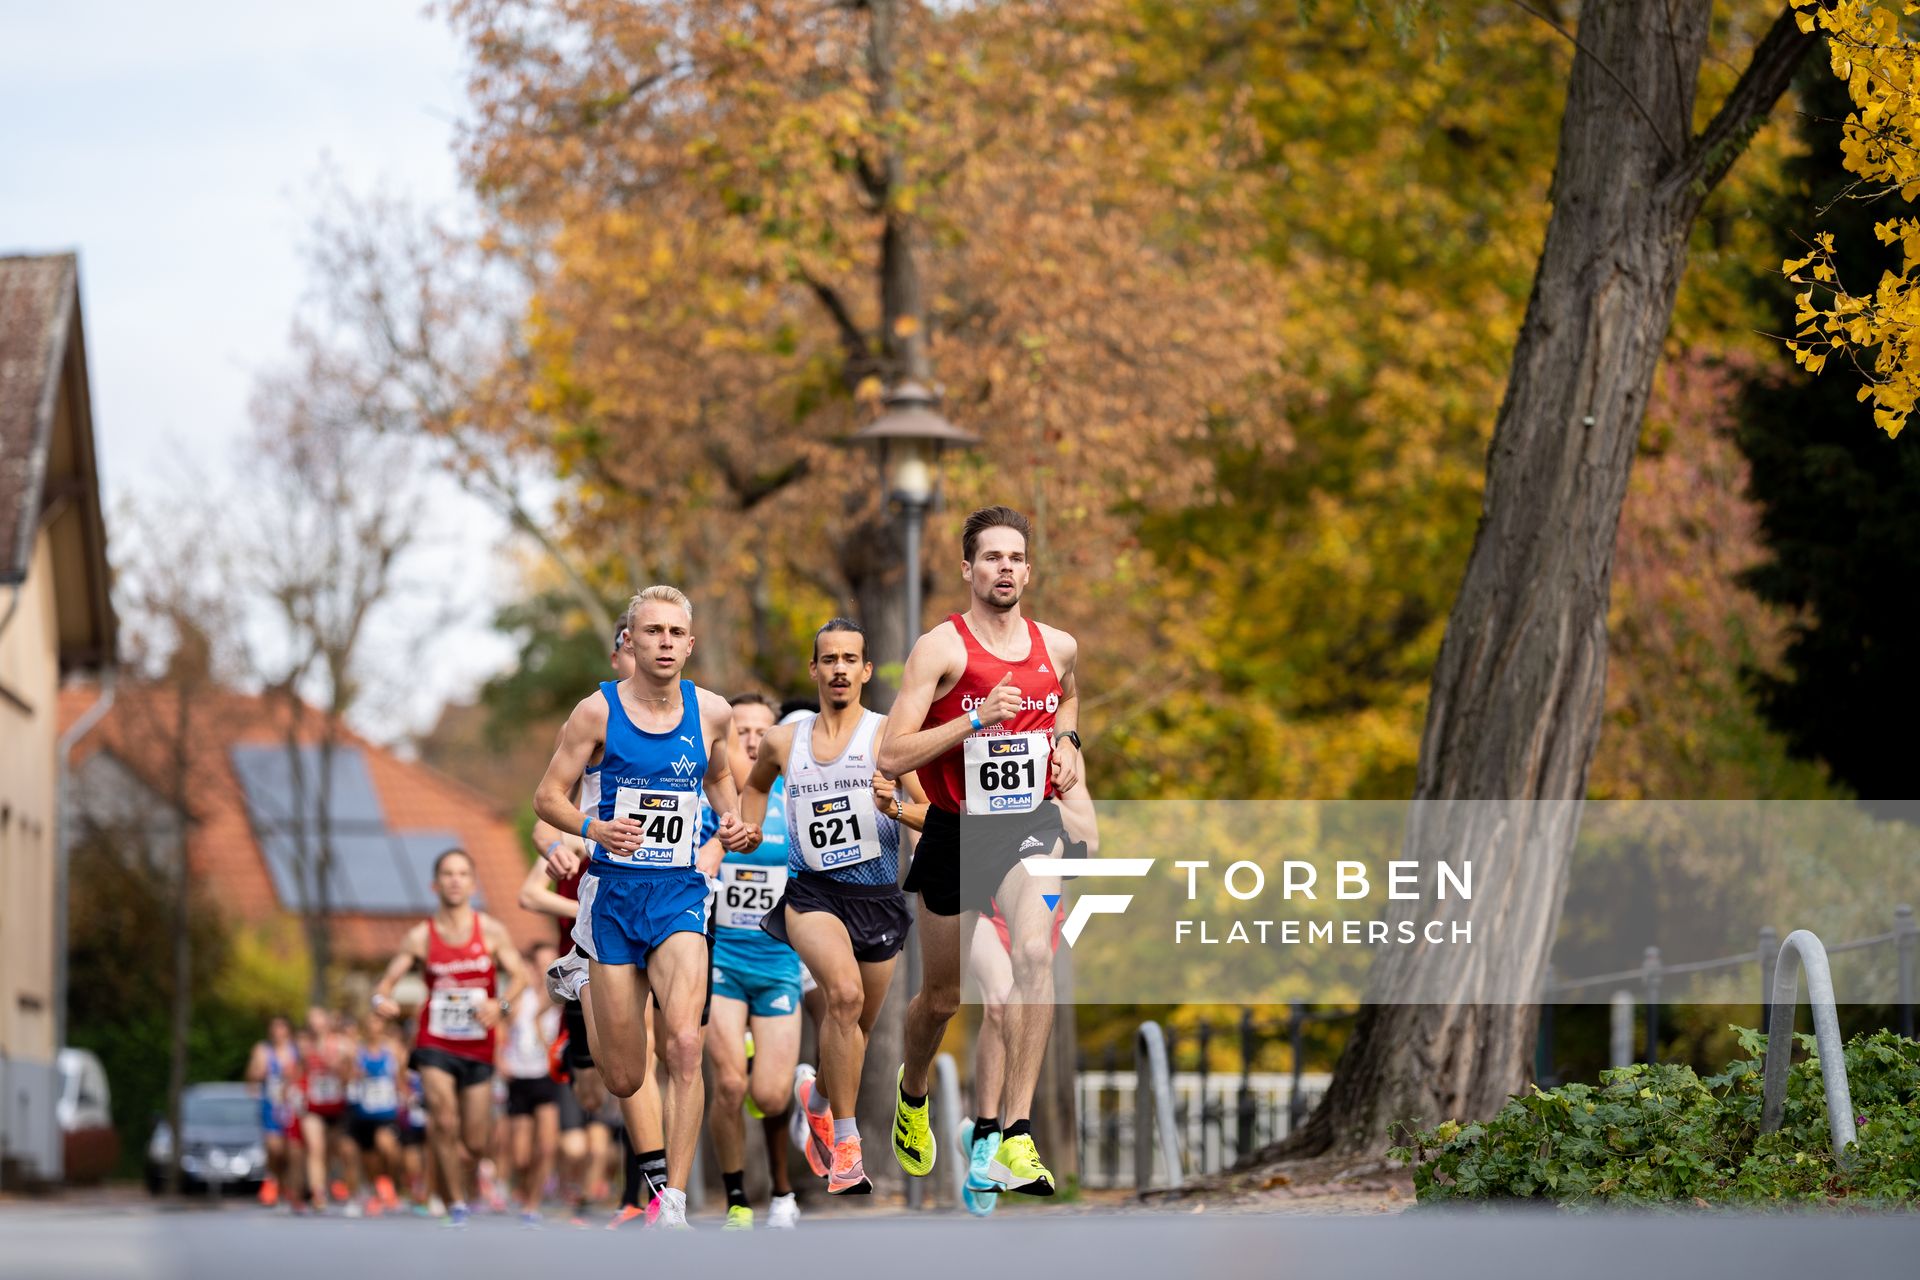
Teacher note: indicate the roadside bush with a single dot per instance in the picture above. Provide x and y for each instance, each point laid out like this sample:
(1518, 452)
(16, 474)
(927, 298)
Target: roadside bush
(1662, 1135)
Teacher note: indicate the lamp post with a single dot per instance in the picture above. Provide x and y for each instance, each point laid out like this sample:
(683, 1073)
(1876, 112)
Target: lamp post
(908, 439)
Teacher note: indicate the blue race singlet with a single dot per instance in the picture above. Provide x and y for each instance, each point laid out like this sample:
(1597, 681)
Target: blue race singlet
(653, 778)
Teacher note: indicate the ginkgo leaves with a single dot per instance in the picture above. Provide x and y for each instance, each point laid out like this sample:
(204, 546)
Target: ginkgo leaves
(1881, 144)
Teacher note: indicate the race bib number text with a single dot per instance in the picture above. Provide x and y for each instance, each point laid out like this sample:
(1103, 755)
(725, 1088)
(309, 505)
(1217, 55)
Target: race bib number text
(669, 822)
(453, 1014)
(748, 893)
(837, 830)
(1006, 772)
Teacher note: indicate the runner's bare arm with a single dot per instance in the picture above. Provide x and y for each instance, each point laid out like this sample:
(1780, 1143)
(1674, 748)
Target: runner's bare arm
(766, 768)
(257, 1063)
(708, 857)
(911, 809)
(413, 951)
(717, 717)
(507, 956)
(582, 735)
(935, 656)
(1066, 756)
(535, 896)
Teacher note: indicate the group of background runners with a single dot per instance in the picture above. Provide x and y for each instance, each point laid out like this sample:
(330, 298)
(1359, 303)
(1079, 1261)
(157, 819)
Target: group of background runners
(717, 874)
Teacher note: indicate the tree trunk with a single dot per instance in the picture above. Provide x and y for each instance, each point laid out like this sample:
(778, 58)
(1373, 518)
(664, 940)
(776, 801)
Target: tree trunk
(1516, 701)
(182, 881)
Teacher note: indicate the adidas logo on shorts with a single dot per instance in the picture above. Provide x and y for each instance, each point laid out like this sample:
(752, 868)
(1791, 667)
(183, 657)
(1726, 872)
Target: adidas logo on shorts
(783, 1002)
(1031, 842)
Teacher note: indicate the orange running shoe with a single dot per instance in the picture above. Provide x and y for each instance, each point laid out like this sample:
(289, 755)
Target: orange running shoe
(340, 1192)
(819, 1144)
(270, 1192)
(848, 1177)
(627, 1216)
(383, 1189)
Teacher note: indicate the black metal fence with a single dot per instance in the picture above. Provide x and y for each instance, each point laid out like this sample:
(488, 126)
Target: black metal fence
(1220, 1116)
(1647, 982)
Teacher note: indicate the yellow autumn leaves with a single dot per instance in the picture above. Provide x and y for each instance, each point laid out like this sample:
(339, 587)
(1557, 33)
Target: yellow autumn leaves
(1878, 332)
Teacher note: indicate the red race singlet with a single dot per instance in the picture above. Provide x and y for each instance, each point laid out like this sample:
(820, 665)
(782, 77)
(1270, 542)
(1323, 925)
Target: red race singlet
(459, 979)
(1039, 683)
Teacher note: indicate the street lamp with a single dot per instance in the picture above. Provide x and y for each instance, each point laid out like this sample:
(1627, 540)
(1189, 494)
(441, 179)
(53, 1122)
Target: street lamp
(908, 438)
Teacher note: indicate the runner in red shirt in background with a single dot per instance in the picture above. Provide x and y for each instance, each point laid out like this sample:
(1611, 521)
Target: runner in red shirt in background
(463, 952)
(323, 1128)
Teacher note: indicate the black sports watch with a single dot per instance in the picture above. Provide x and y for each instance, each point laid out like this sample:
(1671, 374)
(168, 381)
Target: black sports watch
(1073, 736)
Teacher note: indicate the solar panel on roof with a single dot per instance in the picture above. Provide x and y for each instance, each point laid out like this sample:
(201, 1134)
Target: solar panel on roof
(290, 866)
(267, 774)
(373, 870)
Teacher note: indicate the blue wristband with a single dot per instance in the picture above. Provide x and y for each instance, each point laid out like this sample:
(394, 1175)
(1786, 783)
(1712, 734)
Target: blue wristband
(974, 718)
(584, 824)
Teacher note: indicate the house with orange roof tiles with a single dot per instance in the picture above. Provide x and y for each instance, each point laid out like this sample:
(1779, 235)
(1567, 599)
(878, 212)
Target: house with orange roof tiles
(261, 837)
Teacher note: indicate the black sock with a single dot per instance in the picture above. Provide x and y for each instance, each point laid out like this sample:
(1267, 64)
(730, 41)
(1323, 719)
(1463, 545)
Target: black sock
(630, 1164)
(653, 1173)
(912, 1099)
(1018, 1129)
(736, 1185)
(985, 1126)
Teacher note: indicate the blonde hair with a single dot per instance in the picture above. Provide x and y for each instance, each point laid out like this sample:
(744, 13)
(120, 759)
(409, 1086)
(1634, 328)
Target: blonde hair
(664, 594)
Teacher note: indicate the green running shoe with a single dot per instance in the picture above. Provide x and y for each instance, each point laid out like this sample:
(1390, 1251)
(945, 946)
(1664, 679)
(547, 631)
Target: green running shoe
(1016, 1167)
(913, 1144)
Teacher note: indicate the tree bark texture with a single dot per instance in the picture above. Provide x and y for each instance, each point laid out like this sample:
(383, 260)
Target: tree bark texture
(1515, 709)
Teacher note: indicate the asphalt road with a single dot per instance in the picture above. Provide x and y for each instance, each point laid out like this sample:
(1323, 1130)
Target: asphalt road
(56, 1243)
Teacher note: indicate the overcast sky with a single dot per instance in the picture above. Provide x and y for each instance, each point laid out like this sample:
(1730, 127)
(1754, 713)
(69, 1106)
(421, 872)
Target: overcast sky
(178, 148)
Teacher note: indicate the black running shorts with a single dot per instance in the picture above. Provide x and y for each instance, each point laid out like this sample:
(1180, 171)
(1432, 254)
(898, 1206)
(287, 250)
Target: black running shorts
(994, 844)
(578, 1053)
(364, 1129)
(527, 1095)
(466, 1072)
(876, 915)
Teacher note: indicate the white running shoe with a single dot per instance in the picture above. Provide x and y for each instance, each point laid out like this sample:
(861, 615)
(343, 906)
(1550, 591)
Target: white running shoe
(784, 1213)
(673, 1211)
(796, 1121)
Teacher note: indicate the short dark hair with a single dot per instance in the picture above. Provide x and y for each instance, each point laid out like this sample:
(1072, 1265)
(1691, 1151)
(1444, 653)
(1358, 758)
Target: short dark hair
(754, 698)
(448, 853)
(839, 624)
(992, 518)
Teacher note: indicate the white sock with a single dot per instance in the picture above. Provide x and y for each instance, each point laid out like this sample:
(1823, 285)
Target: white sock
(844, 1129)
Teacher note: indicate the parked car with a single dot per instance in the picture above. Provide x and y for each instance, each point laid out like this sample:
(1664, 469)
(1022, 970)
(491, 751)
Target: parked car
(90, 1147)
(223, 1147)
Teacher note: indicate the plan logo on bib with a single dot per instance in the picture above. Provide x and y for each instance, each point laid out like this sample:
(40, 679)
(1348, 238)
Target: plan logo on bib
(1088, 905)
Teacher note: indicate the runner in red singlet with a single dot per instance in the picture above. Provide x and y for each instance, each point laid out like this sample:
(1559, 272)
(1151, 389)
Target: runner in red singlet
(323, 1128)
(987, 715)
(463, 952)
